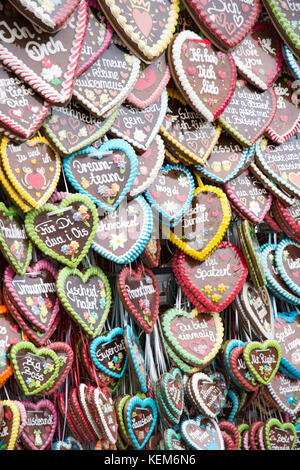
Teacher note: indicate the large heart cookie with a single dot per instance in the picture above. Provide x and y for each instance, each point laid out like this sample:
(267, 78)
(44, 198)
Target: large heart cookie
(279, 389)
(121, 236)
(145, 26)
(205, 76)
(202, 433)
(22, 110)
(203, 225)
(279, 436)
(46, 62)
(216, 281)
(107, 82)
(262, 359)
(86, 297)
(109, 354)
(225, 24)
(64, 232)
(105, 175)
(140, 416)
(40, 426)
(33, 169)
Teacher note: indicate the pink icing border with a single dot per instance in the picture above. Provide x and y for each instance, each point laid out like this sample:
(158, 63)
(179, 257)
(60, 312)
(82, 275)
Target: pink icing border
(8, 277)
(36, 406)
(155, 95)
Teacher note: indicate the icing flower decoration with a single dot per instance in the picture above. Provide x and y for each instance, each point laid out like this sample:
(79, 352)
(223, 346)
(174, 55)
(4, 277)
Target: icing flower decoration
(85, 183)
(207, 289)
(117, 241)
(139, 135)
(221, 287)
(215, 298)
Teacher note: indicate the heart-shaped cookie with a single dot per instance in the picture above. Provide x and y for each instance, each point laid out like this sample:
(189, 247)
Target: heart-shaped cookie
(50, 66)
(106, 414)
(258, 57)
(34, 368)
(146, 27)
(152, 81)
(281, 163)
(149, 164)
(72, 128)
(139, 293)
(286, 334)
(287, 259)
(186, 131)
(105, 175)
(262, 359)
(15, 245)
(249, 196)
(285, 19)
(286, 121)
(140, 126)
(279, 436)
(40, 426)
(97, 38)
(22, 110)
(216, 281)
(50, 19)
(121, 236)
(173, 440)
(226, 160)
(280, 389)
(171, 193)
(135, 357)
(64, 232)
(256, 111)
(34, 293)
(151, 253)
(10, 334)
(109, 354)
(140, 417)
(107, 82)
(293, 63)
(86, 296)
(202, 434)
(206, 77)
(204, 224)
(208, 392)
(196, 340)
(173, 390)
(239, 370)
(33, 168)
(226, 25)
(65, 356)
(10, 425)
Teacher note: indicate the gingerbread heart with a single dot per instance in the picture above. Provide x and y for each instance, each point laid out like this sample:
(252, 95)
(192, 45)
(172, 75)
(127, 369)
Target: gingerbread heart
(152, 81)
(34, 294)
(139, 293)
(10, 334)
(151, 253)
(109, 354)
(34, 368)
(49, 68)
(287, 258)
(192, 61)
(202, 279)
(40, 426)
(202, 434)
(195, 339)
(262, 359)
(171, 193)
(256, 112)
(14, 242)
(72, 128)
(121, 236)
(105, 175)
(209, 392)
(203, 225)
(135, 357)
(65, 356)
(279, 436)
(86, 296)
(286, 334)
(140, 416)
(22, 110)
(279, 389)
(10, 425)
(33, 168)
(258, 57)
(64, 232)
(146, 27)
(226, 25)
(105, 411)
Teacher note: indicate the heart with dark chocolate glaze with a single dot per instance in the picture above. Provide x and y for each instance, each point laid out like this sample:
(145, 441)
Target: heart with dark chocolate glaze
(34, 294)
(286, 330)
(227, 427)
(51, 68)
(33, 169)
(172, 390)
(106, 414)
(105, 175)
(64, 232)
(202, 433)
(34, 368)
(193, 59)
(208, 392)
(86, 296)
(240, 370)
(279, 389)
(139, 293)
(40, 426)
(256, 110)
(171, 193)
(10, 425)
(216, 281)
(10, 334)
(279, 436)
(109, 354)
(151, 253)
(287, 258)
(65, 356)
(140, 418)
(262, 359)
